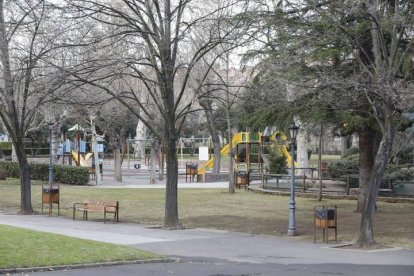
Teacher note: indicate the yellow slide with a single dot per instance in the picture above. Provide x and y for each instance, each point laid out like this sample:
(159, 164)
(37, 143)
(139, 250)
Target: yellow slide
(286, 154)
(279, 136)
(237, 138)
(88, 156)
(82, 161)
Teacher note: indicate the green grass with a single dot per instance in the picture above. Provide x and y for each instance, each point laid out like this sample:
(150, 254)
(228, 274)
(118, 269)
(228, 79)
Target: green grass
(217, 209)
(26, 248)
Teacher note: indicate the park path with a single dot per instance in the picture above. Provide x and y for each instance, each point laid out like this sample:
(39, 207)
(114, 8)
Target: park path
(204, 243)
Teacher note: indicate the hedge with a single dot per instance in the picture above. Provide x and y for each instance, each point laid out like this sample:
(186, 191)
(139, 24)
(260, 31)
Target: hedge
(340, 168)
(399, 172)
(5, 145)
(5, 148)
(62, 174)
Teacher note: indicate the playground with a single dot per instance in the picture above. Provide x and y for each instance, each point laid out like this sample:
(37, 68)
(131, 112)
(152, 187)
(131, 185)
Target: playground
(143, 160)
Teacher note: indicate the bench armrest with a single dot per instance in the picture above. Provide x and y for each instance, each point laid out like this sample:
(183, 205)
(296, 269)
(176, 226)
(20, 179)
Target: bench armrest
(78, 203)
(116, 206)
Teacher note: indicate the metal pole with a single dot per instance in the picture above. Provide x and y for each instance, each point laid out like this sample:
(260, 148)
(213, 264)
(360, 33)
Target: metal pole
(292, 223)
(50, 155)
(95, 150)
(129, 161)
(78, 141)
(181, 149)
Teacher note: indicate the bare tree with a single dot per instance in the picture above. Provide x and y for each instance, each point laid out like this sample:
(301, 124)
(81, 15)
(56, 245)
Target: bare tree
(118, 123)
(223, 88)
(27, 35)
(154, 40)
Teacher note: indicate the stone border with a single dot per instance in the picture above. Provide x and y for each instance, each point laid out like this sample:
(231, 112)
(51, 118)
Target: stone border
(88, 265)
(330, 196)
(345, 245)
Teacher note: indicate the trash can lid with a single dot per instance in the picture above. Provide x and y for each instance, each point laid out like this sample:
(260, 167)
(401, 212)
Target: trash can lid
(321, 213)
(51, 189)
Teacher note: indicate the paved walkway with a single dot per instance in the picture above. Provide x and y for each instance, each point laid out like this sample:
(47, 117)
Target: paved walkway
(235, 247)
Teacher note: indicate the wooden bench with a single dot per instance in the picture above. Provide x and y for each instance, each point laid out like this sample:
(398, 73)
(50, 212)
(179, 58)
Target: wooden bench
(105, 207)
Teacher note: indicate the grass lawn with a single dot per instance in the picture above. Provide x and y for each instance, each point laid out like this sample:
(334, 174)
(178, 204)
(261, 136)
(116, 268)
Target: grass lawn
(26, 248)
(215, 208)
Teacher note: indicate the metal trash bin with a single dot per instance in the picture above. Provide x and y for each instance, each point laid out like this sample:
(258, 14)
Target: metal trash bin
(51, 195)
(325, 218)
(242, 179)
(191, 170)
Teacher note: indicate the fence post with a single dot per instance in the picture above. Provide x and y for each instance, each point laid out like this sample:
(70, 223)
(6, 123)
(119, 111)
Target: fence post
(348, 184)
(304, 182)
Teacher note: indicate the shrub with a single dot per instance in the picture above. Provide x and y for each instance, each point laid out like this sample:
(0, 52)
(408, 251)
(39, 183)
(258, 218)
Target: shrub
(339, 168)
(351, 152)
(39, 171)
(399, 172)
(11, 168)
(345, 167)
(5, 148)
(3, 175)
(406, 157)
(62, 174)
(71, 175)
(6, 145)
(277, 162)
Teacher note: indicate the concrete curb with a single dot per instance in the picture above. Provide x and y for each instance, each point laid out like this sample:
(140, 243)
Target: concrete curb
(75, 266)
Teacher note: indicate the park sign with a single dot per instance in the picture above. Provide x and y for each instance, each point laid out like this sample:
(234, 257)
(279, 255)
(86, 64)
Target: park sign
(203, 154)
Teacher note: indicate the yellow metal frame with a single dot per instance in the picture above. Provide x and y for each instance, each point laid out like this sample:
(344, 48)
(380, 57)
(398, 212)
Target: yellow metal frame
(244, 137)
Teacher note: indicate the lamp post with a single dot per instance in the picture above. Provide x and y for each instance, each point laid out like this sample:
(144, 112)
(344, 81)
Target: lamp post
(95, 149)
(50, 154)
(293, 129)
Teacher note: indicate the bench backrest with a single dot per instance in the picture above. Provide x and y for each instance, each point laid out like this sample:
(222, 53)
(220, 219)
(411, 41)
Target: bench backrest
(100, 205)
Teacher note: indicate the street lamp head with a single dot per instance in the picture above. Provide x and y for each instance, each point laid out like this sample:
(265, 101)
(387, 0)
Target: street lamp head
(293, 129)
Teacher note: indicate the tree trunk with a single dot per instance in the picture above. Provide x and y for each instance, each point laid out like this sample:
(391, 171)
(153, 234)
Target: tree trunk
(14, 154)
(208, 110)
(231, 169)
(55, 143)
(171, 201)
(320, 165)
(344, 145)
(153, 164)
(366, 236)
(117, 165)
(25, 187)
(140, 143)
(366, 162)
(162, 161)
(302, 151)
